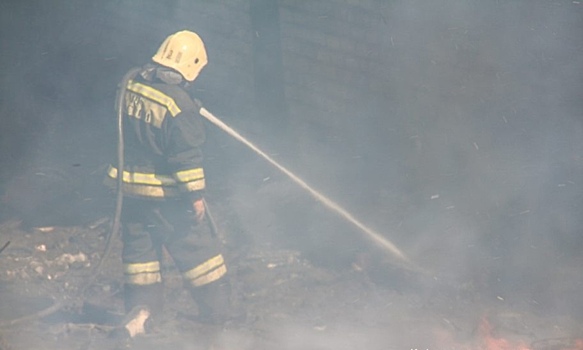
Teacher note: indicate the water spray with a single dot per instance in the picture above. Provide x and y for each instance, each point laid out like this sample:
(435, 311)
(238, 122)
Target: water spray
(378, 239)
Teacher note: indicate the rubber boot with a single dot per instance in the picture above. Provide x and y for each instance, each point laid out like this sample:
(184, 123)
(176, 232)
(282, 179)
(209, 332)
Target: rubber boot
(150, 295)
(214, 302)
(143, 305)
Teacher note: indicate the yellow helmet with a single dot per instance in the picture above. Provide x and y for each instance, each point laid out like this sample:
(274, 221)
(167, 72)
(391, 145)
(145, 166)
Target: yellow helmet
(184, 52)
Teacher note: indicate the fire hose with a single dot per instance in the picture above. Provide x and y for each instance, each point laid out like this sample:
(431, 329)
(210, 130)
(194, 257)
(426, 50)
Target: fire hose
(377, 238)
(115, 226)
(4, 246)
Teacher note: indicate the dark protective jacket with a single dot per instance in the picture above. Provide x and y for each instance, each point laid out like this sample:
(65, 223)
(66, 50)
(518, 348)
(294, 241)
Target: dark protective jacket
(163, 134)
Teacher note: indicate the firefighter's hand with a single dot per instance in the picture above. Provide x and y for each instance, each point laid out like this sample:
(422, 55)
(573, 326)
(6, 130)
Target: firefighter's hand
(199, 211)
(198, 104)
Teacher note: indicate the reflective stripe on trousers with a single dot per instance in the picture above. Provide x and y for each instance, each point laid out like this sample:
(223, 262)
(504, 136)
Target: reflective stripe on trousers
(142, 274)
(207, 272)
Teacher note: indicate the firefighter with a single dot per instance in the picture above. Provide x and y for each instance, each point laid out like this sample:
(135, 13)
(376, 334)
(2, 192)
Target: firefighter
(163, 186)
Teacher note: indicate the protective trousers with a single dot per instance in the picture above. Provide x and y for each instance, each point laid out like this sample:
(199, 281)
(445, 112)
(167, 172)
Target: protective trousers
(148, 226)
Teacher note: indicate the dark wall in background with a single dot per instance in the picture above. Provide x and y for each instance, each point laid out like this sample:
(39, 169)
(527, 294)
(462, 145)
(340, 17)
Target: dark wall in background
(268, 66)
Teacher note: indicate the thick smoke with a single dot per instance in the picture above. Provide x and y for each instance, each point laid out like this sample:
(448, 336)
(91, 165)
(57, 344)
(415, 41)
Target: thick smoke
(460, 138)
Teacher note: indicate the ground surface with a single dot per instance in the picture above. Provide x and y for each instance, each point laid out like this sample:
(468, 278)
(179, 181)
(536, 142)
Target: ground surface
(289, 302)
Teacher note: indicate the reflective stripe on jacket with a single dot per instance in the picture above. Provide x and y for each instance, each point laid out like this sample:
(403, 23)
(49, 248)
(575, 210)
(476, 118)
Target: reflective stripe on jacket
(138, 184)
(163, 133)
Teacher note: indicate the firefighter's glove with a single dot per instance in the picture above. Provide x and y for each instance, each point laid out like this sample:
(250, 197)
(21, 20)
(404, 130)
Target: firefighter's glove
(198, 104)
(199, 211)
